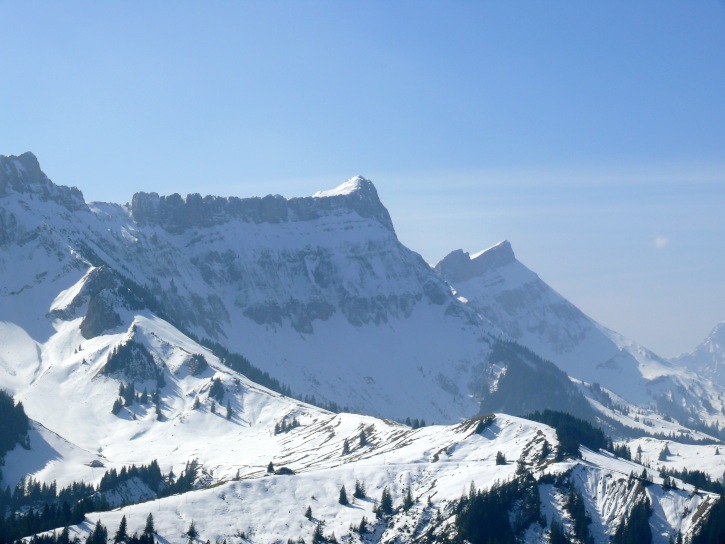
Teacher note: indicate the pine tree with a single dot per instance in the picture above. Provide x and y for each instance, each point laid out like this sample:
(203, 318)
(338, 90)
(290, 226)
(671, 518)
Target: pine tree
(213, 407)
(363, 527)
(557, 533)
(359, 490)
(270, 468)
(386, 503)
(500, 458)
(149, 529)
(408, 501)
(317, 536)
(363, 438)
(130, 394)
(343, 497)
(121, 534)
(196, 404)
(99, 535)
(229, 410)
(308, 513)
(117, 405)
(192, 533)
(545, 450)
(345, 447)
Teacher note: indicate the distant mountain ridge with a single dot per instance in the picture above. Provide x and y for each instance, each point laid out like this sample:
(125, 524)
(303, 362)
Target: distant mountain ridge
(707, 359)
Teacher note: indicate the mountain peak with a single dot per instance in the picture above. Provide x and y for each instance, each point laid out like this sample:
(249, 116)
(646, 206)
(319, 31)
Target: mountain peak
(24, 165)
(22, 174)
(718, 331)
(358, 183)
(459, 265)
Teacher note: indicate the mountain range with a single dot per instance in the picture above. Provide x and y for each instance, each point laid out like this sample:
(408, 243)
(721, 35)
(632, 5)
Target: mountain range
(242, 326)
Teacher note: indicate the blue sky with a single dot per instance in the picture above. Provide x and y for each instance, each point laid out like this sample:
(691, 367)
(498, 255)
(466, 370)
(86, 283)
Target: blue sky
(591, 135)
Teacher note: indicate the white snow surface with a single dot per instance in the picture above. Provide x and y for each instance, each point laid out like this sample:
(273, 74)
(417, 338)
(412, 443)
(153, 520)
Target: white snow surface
(350, 186)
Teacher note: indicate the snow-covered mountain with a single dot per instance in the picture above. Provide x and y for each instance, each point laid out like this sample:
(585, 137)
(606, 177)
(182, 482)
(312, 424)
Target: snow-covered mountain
(513, 298)
(707, 359)
(100, 305)
(317, 291)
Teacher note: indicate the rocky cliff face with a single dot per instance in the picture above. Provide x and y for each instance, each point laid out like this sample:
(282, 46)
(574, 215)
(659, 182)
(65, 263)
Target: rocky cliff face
(176, 214)
(22, 174)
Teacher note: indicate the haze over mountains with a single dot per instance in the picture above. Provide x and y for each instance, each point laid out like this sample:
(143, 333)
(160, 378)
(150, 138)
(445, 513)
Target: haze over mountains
(188, 298)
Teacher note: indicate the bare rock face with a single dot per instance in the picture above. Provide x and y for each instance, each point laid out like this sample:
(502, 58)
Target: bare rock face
(176, 214)
(101, 315)
(22, 174)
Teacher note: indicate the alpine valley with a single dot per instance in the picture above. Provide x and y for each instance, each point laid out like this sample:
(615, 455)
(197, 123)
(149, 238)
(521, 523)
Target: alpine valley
(262, 370)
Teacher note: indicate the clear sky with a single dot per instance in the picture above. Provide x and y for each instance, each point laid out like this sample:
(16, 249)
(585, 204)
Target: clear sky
(589, 134)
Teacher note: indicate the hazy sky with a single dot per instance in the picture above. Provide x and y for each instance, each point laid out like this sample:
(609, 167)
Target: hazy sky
(590, 135)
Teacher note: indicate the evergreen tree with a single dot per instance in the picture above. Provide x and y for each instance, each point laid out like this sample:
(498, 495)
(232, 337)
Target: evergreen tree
(213, 407)
(363, 527)
(558, 536)
(121, 534)
(196, 404)
(343, 497)
(385, 508)
(545, 450)
(308, 513)
(229, 410)
(149, 528)
(345, 447)
(317, 536)
(635, 529)
(359, 490)
(99, 535)
(64, 537)
(363, 438)
(500, 458)
(192, 533)
(407, 501)
(129, 394)
(117, 405)
(270, 468)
